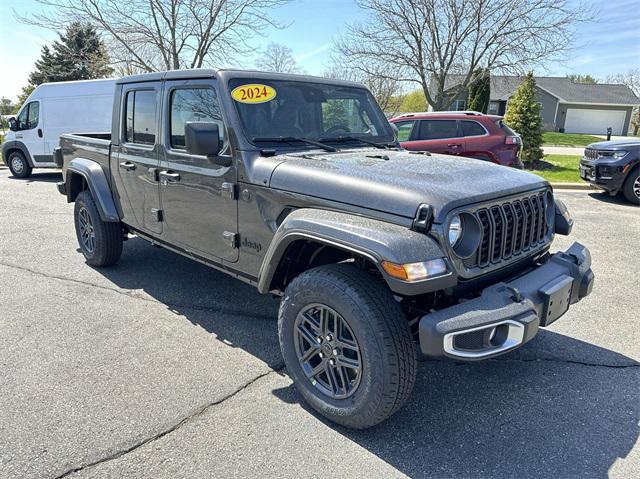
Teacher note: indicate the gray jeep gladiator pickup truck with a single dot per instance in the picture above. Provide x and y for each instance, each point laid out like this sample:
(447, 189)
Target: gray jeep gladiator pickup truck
(297, 185)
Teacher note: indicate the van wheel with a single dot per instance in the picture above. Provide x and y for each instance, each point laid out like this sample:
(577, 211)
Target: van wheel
(18, 165)
(346, 345)
(100, 241)
(631, 187)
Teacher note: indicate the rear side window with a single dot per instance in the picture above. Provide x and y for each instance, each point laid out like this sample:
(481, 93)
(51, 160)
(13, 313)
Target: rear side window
(141, 117)
(472, 128)
(438, 129)
(193, 104)
(508, 131)
(404, 129)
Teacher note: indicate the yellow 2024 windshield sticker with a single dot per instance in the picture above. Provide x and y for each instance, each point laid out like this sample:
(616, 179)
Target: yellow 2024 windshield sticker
(253, 93)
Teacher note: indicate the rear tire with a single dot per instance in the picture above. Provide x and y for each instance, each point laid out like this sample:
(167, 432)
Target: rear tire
(19, 165)
(100, 241)
(631, 188)
(371, 321)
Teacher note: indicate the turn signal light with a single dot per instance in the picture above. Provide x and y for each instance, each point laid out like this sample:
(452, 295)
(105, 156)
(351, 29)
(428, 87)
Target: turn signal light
(415, 271)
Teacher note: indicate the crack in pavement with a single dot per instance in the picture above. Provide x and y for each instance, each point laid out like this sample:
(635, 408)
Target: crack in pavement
(196, 413)
(133, 295)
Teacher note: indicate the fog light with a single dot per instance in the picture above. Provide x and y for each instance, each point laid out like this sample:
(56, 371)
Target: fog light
(416, 271)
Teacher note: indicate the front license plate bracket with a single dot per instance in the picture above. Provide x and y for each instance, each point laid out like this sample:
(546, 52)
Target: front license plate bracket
(557, 296)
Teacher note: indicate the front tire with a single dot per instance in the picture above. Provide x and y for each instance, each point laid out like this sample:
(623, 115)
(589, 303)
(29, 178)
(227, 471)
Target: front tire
(347, 345)
(100, 241)
(18, 165)
(631, 188)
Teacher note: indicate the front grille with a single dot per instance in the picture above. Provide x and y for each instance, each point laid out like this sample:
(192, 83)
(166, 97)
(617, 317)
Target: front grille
(591, 154)
(511, 228)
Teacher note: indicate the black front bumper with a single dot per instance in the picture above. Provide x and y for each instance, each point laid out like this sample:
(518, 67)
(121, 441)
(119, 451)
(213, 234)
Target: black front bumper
(607, 176)
(508, 314)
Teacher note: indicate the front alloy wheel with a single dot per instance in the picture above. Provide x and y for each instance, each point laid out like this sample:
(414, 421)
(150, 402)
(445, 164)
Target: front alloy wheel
(328, 351)
(87, 233)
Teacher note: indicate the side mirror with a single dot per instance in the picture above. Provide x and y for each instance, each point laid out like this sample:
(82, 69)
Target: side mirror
(13, 124)
(203, 138)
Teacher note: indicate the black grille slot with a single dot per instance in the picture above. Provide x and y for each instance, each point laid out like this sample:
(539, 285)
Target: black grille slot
(470, 341)
(509, 229)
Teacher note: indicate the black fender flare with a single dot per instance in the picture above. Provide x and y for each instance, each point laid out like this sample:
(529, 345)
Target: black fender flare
(16, 145)
(372, 239)
(96, 179)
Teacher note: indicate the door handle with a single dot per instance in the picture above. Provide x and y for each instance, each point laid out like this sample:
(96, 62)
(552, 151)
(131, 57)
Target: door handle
(169, 177)
(454, 145)
(40, 132)
(128, 166)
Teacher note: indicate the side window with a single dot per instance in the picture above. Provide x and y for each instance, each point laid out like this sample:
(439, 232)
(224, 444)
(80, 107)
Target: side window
(29, 116)
(193, 104)
(438, 129)
(140, 124)
(472, 128)
(404, 129)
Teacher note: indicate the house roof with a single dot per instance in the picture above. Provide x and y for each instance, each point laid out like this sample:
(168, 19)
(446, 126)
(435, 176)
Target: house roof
(503, 87)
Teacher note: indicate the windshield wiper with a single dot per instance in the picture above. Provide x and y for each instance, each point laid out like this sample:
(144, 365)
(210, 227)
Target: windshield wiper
(382, 146)
(289, 139)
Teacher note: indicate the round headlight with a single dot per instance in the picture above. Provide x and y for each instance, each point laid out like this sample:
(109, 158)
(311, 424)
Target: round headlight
(455, 230)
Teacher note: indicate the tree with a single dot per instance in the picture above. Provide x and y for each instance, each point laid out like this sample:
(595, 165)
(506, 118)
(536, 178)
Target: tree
(151, 35)
(78, 54)
(277, 58)
(428, 41)
(479, 91)
(632, 80)
(577, 78)
(413, 102)
(22, 97)
(6, 107)
(523, 115)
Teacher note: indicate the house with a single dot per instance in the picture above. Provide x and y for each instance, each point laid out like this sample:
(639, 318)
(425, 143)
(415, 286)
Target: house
(566, 106)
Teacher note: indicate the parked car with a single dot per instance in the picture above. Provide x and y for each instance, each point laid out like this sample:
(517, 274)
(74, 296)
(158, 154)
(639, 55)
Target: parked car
(613, 166)
(296, 185)
(51, 110)
(469, 134)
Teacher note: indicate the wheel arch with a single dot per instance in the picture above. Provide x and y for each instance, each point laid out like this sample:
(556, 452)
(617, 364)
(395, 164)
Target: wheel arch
(9, 147)
(81, 174)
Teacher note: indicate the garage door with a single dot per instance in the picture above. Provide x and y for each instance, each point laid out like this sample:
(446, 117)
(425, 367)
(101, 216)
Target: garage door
(594, 121)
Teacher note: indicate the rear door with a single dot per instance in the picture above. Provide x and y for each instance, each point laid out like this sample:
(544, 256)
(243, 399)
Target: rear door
(437, 136)
(136, 158)
(476, 140)
(199, 202)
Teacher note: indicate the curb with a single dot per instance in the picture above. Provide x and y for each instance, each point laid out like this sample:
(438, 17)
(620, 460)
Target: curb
(573, 186)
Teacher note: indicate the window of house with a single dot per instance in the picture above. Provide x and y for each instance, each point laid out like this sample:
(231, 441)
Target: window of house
(494, 107)
(404, 129)
(141, 117)
(193, 104)
(472, 128)
(438, 129)
(460, 105)
(29, 116)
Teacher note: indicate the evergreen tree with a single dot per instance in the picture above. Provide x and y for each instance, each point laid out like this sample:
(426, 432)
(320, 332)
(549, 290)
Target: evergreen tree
(479, 91)
(79, 54)
(523, 115)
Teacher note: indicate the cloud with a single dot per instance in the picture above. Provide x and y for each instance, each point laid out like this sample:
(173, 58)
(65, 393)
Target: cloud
(312, 53)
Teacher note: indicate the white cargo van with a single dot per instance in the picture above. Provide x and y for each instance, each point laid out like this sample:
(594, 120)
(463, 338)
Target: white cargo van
(51, 110)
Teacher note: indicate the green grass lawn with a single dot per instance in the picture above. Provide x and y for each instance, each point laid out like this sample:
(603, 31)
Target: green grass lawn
(553, 138)
(565, 169)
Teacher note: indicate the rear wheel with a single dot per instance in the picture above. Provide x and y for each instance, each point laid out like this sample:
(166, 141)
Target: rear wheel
(631, 188)
(100, 241)
(18, 165)
(346, 345)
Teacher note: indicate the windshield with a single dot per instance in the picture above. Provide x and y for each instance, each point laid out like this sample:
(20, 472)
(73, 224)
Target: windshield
(273, 110)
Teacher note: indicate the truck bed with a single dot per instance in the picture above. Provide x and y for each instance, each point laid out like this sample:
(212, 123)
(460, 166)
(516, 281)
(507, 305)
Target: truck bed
(90, 146)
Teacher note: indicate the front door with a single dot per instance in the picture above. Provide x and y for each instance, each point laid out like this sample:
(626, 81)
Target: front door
(198, 197)
(31, 132)
(135, 157)
(436, 136)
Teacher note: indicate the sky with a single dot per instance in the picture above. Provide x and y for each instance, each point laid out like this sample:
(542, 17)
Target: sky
(608, 45)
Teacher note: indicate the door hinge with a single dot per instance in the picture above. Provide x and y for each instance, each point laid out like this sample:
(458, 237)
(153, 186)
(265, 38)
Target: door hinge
(157, 214)
(231, 239)
(229, 191)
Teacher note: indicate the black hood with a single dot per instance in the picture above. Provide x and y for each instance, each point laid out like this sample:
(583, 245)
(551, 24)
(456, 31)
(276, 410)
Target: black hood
(399, 184)
(614, 145)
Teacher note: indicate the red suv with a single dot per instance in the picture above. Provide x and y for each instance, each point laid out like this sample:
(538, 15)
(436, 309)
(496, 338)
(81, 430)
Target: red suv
(470, 134)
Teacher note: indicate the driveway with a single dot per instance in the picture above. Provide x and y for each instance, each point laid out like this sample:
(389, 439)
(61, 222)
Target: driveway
(162, 368)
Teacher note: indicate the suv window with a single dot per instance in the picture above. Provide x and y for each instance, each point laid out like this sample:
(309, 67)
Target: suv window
(141, 117)
(404, 129)
(192, 104)
(438, 129)
(473, 128)
(29, 116)
(503, 126)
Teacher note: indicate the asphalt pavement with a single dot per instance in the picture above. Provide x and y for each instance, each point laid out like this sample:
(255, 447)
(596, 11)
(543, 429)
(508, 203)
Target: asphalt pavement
(161, 367)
